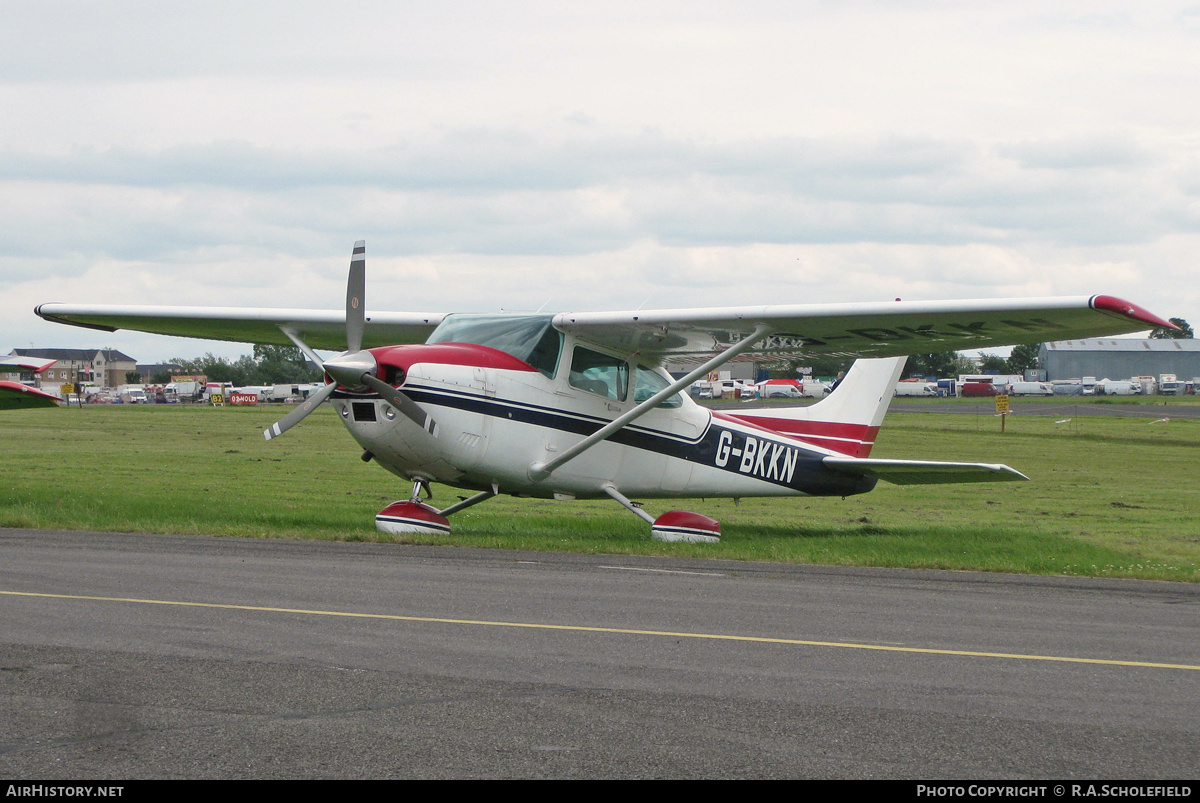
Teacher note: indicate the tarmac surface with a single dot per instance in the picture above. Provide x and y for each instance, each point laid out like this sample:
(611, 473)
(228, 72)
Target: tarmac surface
(126, 656)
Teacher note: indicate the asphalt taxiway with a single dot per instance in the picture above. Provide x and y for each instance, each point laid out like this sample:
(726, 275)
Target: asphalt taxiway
(147, 656)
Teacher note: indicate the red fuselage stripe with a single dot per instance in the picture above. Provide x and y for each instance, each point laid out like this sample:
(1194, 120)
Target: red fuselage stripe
(855, 440)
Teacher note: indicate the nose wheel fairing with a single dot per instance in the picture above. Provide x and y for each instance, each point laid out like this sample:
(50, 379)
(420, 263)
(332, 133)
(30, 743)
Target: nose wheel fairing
(408, 517)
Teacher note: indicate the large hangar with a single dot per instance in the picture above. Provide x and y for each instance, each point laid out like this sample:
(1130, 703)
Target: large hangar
(1115, 358)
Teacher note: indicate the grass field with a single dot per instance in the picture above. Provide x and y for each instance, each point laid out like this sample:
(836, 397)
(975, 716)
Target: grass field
(1110, 497)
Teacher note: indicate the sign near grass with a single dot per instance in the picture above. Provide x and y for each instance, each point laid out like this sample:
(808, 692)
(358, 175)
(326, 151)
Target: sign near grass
(1002, 410)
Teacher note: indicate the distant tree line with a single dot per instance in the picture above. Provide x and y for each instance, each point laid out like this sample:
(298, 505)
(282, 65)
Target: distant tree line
(269, 365)
(940, 364)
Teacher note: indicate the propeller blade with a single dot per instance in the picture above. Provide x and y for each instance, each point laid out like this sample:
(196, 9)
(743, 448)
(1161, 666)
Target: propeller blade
(300, 344)
(356, 288)
(296, 416)
(402, 403)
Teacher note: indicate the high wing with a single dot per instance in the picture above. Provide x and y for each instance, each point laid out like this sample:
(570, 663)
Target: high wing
(321, 329)
(879, 329)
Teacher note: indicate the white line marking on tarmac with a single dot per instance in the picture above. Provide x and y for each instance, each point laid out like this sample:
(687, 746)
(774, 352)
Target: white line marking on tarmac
(663, 571)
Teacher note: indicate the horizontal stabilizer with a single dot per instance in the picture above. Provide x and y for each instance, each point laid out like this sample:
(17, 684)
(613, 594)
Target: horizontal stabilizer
(923, 472)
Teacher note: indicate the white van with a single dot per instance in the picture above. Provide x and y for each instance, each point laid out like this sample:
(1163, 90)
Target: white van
(1030, 389)
(915, 389)
(1117, 387)
(132, 394)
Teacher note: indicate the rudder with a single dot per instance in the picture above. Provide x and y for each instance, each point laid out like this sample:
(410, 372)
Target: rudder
(848, 419)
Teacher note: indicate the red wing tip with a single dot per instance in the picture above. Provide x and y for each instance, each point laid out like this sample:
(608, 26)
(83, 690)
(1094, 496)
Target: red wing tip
(1125, 308)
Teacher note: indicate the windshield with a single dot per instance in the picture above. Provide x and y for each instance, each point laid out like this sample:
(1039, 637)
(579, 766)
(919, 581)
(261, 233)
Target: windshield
(527, 337)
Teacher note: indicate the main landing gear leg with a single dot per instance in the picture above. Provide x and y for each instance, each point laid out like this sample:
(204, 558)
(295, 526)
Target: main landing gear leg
(414, 516)
(676, 525)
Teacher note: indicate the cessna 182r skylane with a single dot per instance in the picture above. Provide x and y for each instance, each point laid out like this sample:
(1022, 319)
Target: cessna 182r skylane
(578, 405)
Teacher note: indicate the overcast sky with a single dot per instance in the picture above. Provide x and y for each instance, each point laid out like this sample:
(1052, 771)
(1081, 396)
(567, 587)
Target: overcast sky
(587, 156)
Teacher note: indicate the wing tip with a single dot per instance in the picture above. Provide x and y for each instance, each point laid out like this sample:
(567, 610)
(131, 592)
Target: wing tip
(1128, 309)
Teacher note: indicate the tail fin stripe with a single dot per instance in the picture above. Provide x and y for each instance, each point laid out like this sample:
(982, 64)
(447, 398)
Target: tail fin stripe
(846, 420)
(826, 429)
(855, 440)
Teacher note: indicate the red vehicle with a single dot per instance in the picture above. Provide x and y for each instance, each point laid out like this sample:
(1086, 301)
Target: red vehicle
(979, 389)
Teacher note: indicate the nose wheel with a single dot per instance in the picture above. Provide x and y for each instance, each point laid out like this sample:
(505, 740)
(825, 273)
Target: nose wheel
(417, 517)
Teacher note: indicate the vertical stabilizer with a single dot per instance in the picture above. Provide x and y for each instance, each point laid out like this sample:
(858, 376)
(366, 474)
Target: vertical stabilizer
(846, 420)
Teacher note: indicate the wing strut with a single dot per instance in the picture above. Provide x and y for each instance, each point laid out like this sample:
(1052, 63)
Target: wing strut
(541, 470)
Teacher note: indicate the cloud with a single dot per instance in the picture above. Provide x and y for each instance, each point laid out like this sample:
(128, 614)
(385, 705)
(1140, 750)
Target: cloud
(504, 191)
(1076, 153)
(495, 155)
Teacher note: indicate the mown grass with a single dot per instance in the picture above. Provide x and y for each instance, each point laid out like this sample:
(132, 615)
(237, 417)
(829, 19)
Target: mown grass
(1109, 496)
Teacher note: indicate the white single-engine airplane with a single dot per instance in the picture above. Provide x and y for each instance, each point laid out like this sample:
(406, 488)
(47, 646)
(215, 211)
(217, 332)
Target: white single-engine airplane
(578, 405)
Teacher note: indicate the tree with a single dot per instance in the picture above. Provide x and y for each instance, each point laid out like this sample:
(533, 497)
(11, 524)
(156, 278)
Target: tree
(219, 369)
(943, 364)
(1184, 332)
(270, 365)
(821, 366)
(992, 362)
(280, 364)
(1023, 358)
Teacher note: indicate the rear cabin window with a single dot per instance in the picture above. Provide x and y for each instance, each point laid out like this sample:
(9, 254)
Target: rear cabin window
(649, 382)
(599, 373)
(531, 338)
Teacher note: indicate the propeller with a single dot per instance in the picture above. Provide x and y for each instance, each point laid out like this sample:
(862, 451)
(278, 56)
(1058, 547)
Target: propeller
(354, 368)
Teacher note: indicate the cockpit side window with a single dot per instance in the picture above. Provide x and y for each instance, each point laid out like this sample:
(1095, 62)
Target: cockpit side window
(648, 382)
(599, 373)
